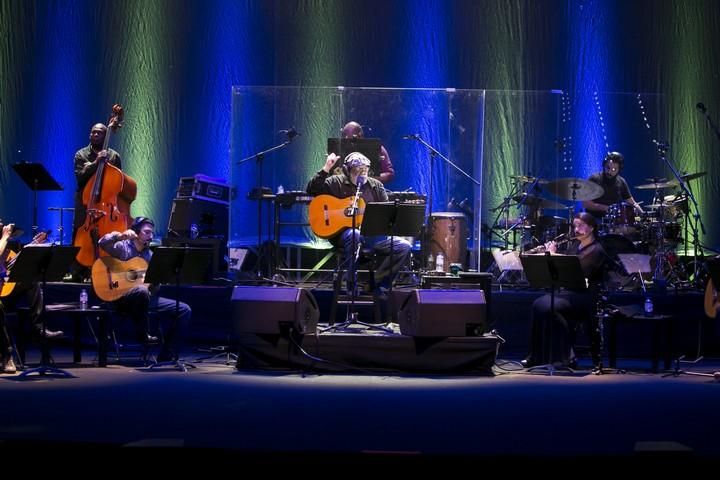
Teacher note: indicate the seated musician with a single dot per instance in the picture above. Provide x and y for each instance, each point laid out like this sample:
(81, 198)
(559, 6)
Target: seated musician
(140, 301)
(615, 186)
(387, 172)
(30, 293)
(570, 307)
(353, 178)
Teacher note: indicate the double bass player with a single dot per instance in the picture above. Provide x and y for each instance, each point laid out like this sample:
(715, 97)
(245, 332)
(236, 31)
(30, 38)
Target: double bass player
(103, 195)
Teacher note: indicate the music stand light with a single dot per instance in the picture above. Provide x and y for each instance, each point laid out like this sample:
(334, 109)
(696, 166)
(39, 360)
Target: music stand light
(40, 264)
(178, 265)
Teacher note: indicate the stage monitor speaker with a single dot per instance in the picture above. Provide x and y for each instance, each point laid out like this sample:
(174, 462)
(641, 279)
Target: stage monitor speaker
(194, 218)
(274, 310)
(444, 313)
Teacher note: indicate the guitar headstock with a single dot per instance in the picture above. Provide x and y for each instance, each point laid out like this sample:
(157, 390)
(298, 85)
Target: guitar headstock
(116, 118)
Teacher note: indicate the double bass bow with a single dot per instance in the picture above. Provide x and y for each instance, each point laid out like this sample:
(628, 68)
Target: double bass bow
(107, 197)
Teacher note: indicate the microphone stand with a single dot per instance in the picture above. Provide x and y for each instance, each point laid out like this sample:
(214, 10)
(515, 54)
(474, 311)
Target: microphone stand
(257, 194)
(662, 150)
(433, 154)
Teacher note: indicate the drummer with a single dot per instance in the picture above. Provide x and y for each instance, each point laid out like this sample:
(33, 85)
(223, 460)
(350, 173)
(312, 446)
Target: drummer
(615, 187)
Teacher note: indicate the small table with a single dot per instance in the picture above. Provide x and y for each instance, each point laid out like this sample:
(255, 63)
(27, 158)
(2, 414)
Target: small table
(662, 327)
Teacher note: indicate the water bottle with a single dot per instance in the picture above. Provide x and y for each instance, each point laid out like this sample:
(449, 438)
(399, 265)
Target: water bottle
(83, 299)
(431, 262)
(280, 189)
(440, 262)
(648, 306)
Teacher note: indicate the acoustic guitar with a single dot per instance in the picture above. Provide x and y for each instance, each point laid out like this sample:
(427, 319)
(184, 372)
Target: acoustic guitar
(9, 261)
(712, 302)
(328, 215)
(113, 278)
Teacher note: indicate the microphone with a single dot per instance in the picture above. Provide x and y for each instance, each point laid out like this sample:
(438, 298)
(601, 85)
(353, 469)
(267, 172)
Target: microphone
(290, 132)
(412, 136)
(361, 179)
(701, 106)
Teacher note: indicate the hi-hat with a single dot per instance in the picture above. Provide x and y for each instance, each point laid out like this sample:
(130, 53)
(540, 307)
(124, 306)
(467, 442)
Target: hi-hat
(657, 185)
(539, 202)
(575, 189)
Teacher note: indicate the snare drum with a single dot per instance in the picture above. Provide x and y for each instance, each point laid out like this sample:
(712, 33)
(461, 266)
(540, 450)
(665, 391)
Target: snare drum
(448, 235)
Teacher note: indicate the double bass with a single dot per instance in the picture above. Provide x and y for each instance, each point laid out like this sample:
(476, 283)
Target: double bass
(107, 197)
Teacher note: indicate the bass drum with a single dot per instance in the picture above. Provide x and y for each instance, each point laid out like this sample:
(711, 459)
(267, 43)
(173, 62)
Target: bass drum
(448, 235)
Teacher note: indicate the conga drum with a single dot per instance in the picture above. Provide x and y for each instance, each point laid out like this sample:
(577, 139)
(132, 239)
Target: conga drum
(448, 235)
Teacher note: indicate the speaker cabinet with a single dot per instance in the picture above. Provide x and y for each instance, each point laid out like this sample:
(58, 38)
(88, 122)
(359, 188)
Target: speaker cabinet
(194, 218)
(274, 310)
(443, 313)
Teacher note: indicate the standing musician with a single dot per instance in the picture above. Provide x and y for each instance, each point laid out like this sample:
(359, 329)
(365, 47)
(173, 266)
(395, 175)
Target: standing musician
(615, 186)
(33, 297)
(354, 179)
(571, 307)
(140, 300)
(86, 164)
(387, 172)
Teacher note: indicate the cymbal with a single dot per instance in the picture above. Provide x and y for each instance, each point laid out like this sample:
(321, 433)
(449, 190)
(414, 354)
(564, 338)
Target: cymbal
(687, 177)
(657, 185)
(528, 179)
(575, 189)
(539, 202)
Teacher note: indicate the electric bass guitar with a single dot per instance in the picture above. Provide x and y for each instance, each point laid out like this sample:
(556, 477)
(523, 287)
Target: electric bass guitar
(113, 278)
(328, 215)
(9, 261)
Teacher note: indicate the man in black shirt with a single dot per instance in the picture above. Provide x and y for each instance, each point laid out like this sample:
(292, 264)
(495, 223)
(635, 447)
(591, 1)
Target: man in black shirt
(615, 186)
(355, 178)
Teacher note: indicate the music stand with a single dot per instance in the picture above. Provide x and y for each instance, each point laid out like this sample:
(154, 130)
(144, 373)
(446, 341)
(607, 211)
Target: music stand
(40, 264)
(37, 178)
(178, 265)
(553, 271)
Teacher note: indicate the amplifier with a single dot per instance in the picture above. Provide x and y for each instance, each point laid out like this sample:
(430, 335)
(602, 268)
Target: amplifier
(204, 188)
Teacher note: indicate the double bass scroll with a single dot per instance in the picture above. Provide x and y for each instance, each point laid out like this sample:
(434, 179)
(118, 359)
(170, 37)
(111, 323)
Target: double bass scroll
(107, 197)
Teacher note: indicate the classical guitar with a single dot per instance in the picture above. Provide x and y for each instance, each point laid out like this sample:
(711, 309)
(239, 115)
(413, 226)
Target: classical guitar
(9, 261)
(113, 278)
(712, 302)
(328, 215)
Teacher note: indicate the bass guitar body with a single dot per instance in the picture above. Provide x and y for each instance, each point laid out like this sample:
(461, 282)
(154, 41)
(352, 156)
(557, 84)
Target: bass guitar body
(113, 278)
(328, 215)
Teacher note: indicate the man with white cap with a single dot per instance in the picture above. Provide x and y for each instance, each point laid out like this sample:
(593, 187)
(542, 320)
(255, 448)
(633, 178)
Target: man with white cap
(354, 178)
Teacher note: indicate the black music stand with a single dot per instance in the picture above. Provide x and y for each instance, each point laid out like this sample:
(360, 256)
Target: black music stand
(553, 271)
(40, 264)
(36, 176)
(178, 265)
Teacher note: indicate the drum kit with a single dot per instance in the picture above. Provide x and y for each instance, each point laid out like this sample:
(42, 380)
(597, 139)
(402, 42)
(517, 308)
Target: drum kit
(657, 232)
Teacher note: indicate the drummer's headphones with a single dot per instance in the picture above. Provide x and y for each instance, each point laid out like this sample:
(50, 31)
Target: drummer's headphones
(139, 221)
(616, 157)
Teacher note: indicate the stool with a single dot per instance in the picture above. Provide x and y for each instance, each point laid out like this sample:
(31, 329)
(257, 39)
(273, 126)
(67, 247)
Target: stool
(662, 328)
(367, 259)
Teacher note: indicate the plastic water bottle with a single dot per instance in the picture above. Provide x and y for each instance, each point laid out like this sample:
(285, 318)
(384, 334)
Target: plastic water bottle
(648, 306)
(83, 299)
(280, 189)
(431, 263)
(440, 262)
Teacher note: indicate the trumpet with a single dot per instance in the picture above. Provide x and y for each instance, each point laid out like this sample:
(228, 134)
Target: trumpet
(559, 240)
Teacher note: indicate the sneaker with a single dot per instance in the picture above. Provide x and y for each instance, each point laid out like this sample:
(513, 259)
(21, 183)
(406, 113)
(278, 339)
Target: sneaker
(151, 338)
(9, 366)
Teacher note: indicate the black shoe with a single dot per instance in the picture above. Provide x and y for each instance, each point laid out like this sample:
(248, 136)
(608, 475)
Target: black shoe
(167, 356)
(528, 362)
